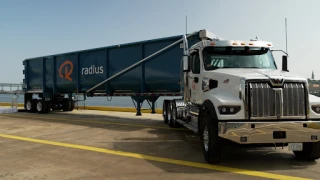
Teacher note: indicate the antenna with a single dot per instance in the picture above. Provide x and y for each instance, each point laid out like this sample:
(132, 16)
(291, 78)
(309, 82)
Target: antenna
(186, 24)
(286, 36)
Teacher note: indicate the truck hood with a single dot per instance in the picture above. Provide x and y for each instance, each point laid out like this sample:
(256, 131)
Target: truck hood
(257, 73)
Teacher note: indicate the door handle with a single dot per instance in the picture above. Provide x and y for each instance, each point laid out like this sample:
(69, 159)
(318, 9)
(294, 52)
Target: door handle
(196, 79)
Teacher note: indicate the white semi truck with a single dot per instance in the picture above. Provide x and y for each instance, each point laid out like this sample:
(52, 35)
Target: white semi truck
(233, 92)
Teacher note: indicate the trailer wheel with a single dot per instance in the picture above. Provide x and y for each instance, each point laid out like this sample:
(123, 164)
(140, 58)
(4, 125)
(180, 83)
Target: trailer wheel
(212, 144)
(310, 152)
(42, 106)
(66, 105)
(72, 105)
(164, 111)
(173, 118)
(31, 105)
(49, 105)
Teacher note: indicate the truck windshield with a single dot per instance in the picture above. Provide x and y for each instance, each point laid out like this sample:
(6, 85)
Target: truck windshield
(237, 57)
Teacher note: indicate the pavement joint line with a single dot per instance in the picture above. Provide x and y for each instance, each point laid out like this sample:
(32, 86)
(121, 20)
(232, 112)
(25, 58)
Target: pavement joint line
(262, 132)
(234, 134)
(157, 159)
(95, 121)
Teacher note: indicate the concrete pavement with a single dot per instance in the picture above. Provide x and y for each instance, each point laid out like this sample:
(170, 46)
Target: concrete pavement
(119, 145)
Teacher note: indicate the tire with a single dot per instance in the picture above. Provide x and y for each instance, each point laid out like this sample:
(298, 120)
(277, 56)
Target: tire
(173, 118)
(48, 109)
(31, 105)
(164, 111)
(42, 106)
(72, 105)
(212, 144)
(310, 152)
(70, 108)
(66, 105)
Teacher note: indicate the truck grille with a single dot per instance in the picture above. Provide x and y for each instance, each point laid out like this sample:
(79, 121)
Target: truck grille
(283, 102)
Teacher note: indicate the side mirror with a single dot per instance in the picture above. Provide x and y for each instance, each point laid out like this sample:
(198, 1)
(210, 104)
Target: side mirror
(285, 63)
(185, 60)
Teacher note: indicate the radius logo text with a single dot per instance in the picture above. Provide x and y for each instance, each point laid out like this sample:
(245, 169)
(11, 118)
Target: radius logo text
(92, 70)
(67, 72)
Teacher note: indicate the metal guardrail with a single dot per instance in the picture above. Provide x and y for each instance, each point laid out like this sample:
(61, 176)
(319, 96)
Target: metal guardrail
(11, 88)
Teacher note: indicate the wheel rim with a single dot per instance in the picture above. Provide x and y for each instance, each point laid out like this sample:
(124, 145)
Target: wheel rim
(169, 113)
(39, 106)
(29, 105)
(205, 138)
(173, 116)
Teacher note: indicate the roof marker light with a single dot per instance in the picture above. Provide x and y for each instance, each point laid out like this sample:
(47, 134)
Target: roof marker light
(243, 43)
(212, 43)
(251, 44)
(269, 44)
(234, 43)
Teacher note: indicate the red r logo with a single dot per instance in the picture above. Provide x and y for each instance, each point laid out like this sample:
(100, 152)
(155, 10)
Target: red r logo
(67, 72)
(193, 85)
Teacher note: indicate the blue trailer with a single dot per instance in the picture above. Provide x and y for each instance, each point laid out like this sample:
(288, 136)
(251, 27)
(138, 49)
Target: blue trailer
(143, 70)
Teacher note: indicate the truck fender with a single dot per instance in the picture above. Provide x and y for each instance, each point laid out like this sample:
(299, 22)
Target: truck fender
(207, 104)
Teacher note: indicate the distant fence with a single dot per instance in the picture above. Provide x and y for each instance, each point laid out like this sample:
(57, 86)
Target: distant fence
(314, 87)
(10, 88)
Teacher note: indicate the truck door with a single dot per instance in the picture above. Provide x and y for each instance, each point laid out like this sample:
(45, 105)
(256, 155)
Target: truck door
(195, 79)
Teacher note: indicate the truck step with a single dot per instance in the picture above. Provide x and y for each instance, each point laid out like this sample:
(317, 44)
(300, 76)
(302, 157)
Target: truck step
(192, 128)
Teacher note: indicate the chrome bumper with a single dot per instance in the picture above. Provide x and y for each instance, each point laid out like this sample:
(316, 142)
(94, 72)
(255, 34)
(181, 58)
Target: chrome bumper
(270, 132)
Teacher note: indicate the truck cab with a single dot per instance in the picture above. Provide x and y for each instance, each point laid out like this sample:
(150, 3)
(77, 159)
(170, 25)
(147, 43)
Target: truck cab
(234, 93)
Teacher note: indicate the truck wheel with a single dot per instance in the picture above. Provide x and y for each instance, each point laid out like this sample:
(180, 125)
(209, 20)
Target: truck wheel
(42, 106)
(173, 118)
(164, 111)
(212, 144)
(31, 105)
(310, 152)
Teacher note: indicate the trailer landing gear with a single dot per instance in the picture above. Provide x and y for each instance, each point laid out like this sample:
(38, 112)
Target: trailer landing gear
(153, 100)
(139, 100)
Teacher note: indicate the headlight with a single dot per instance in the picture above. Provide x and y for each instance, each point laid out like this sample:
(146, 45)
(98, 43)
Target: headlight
(229, 109)
(316, 108)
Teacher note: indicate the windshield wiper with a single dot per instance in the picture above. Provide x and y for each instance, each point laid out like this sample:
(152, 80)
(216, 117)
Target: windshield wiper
(213, 68)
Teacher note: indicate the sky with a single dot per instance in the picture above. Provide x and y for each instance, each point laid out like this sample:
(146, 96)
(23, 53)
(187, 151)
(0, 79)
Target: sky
(37, 28)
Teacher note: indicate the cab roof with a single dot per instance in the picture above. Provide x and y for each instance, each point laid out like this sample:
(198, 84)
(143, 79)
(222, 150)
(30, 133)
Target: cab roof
(232, 43)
